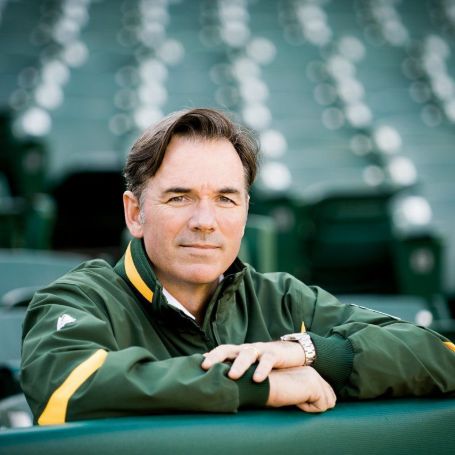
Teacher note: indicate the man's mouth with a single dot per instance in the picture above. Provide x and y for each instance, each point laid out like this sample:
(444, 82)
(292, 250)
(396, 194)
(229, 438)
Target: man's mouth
(201, 246)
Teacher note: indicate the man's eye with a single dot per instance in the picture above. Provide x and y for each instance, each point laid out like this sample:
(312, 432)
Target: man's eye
(226, 200)
(177, 199)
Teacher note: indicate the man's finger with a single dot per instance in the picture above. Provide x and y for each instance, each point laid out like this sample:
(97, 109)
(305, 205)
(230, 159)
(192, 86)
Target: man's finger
(329, 395)
(312, 407)
(319, 405)
(265, 366)
(332, 399)
(326, 400)
(246, 357)
(219, 354)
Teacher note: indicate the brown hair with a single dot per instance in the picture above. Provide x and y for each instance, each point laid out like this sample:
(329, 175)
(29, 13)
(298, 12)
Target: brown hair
(147, 153)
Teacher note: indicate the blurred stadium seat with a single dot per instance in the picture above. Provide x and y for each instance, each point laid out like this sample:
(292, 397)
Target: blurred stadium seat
(31, 268)
(260, 243)
(89, 205)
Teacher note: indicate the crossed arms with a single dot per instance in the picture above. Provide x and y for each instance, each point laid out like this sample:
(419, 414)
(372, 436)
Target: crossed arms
(281, 362)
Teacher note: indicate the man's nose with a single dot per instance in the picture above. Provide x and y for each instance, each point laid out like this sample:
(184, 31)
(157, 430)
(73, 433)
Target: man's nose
(203, 217)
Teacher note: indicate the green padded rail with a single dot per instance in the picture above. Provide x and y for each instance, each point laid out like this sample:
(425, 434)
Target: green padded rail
(405, 426)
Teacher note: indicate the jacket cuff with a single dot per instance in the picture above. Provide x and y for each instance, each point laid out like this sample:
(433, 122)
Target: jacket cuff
(334, 359)
(252, 394)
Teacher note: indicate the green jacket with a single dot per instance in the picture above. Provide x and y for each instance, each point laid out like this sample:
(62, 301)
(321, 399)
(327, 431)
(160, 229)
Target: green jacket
(103, 341)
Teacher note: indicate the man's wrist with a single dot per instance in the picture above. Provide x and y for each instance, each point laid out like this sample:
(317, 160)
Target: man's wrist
(298, 353)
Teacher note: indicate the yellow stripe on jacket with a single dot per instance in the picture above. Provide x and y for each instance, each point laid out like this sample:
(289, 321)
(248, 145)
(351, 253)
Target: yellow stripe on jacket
(134, 277)
(55, 410)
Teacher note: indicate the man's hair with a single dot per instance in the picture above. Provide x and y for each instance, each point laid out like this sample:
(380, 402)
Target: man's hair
(147, 153)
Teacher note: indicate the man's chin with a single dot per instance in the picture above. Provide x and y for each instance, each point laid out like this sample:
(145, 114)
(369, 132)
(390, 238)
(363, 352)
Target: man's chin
(202, 274)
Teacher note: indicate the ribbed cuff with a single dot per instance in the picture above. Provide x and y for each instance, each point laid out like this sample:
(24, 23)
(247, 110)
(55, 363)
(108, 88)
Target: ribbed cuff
(252, 394)
(334, 358)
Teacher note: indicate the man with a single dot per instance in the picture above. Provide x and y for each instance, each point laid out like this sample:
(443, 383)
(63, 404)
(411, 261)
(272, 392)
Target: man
(180, 324)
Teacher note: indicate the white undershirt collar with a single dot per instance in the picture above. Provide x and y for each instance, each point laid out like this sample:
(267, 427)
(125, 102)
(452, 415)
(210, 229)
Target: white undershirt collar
(176, 304)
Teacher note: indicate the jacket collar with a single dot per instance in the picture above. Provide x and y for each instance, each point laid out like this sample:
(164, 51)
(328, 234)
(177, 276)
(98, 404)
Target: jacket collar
(137, 270)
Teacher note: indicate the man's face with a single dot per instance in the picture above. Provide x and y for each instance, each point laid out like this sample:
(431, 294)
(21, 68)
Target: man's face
(194, 211)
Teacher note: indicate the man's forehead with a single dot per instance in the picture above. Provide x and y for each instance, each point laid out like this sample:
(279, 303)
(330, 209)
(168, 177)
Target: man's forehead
(194, 161)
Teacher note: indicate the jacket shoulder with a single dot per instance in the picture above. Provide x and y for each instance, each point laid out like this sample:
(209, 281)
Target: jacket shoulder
(280, 282)
(94, 280)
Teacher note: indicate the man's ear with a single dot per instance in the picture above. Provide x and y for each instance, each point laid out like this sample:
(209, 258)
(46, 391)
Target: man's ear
(132, 214)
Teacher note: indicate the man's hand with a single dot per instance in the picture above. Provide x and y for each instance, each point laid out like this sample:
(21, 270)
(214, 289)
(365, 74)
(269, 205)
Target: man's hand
(270, 355)
(300, 386)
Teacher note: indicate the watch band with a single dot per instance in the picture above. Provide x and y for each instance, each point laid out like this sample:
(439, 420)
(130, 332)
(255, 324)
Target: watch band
(304, 340)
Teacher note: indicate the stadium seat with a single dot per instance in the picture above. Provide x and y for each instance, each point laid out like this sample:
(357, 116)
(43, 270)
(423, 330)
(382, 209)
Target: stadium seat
(15, 412)
(259, 243)
(33, 268)
(89, 206)
(347, 239)
(10, 334)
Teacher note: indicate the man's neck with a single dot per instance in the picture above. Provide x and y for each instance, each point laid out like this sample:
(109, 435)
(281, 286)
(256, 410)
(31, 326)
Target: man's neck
(193, 297)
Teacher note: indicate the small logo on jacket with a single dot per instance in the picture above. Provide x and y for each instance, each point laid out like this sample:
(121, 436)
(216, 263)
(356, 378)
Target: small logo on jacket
(63, 320)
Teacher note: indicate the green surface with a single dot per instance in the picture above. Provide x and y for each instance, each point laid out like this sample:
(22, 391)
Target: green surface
(401, 426)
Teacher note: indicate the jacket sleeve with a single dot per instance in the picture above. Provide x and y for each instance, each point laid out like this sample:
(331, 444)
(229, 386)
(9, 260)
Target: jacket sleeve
(368, 354)
(72, 368)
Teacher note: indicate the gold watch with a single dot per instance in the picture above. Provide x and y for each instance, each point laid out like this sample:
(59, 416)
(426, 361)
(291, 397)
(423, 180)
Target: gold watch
(305, 341)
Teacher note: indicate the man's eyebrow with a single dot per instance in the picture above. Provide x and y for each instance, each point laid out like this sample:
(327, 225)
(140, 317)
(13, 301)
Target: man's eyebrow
(229, 190)
(183, 190)
(177, 189)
